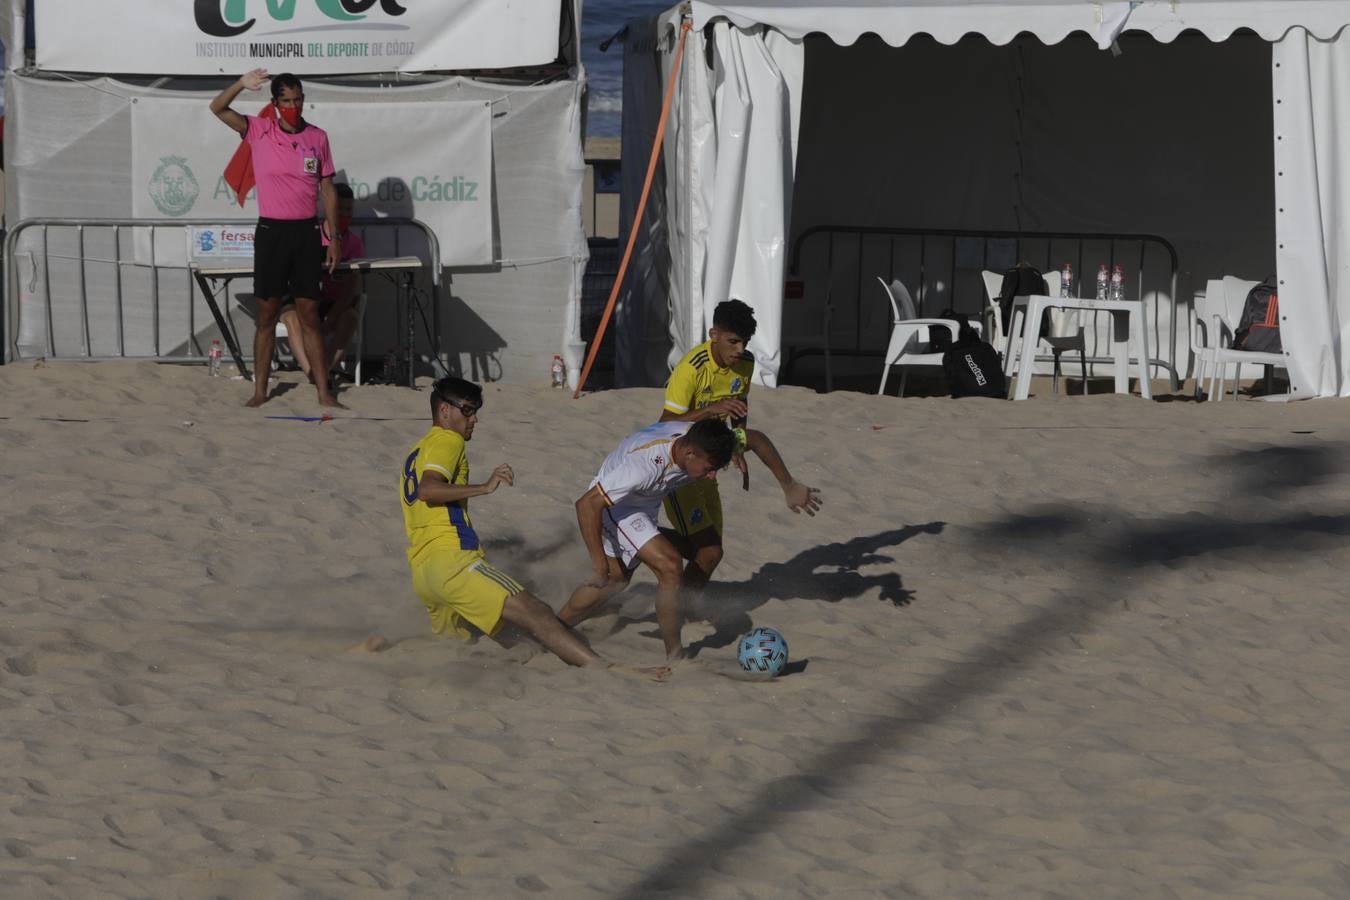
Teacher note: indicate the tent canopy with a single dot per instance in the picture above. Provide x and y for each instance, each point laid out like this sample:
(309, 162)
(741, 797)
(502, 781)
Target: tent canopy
(896, 21)
(1232, 144)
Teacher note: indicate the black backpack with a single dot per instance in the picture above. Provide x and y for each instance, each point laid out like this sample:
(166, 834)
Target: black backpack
(1022, 280)
(1259, 328)
(973, 367)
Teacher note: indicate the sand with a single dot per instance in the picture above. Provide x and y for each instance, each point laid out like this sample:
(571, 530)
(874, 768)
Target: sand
(1073, 647)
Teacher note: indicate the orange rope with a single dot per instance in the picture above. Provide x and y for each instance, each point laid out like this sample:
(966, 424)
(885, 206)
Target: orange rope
(637, 216)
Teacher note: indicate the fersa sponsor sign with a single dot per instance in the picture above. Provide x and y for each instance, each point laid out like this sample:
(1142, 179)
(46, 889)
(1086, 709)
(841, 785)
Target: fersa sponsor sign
(220, 242)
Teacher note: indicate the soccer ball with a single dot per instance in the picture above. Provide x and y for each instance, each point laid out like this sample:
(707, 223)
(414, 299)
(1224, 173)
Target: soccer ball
(762, 651)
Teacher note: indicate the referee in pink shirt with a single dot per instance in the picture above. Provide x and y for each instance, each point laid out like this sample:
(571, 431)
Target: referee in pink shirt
(293, 168)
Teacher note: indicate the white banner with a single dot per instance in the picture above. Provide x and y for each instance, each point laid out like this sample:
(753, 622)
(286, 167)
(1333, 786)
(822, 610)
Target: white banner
(427, 161)
(307, 37)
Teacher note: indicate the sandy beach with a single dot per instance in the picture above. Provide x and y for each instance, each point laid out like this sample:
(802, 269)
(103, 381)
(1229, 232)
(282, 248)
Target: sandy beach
(1072, 647)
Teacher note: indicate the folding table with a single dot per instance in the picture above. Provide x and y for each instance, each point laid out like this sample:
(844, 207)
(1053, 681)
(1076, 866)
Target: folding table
(399, 270)
(1129, 327)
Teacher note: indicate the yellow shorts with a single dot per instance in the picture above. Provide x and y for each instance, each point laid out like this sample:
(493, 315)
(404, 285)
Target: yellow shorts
(695, 507)
(454, 593)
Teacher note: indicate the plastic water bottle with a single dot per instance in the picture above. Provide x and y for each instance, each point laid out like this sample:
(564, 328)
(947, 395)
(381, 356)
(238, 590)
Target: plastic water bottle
(1118, 284)
(1103, 282)
(1066, 281)
(558, 371)
(213, 358)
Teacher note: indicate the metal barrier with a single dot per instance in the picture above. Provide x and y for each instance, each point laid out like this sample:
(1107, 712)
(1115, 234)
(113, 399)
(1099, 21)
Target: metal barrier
(114, 229)
(924, 257)
(601, 269)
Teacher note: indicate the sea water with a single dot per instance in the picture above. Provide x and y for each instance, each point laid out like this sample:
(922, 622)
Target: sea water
(601, 19)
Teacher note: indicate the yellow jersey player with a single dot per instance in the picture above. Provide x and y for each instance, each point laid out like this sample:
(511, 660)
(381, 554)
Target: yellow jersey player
(713, 380)
(450, 574)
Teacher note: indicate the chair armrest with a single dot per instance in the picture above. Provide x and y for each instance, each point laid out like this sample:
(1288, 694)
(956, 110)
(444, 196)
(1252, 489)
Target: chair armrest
(1199, 332)
(907, 330)
(1257, 357)
(950, 324)
(1223, 336)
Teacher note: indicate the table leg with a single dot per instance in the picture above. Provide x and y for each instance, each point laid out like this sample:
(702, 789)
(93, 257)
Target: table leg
(438, 367)
(1031, 334)
(1120, 349)
(412, 327)
(1139, 322)
(360, 330)
(230, 341)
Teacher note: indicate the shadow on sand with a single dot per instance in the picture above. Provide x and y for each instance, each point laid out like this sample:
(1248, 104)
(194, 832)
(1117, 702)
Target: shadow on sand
(828, 572)
(1106, 547)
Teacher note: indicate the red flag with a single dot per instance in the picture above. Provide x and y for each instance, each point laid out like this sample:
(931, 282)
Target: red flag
(239, 171)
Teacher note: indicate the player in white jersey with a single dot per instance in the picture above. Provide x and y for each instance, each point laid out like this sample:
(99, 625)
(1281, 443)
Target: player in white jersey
(617, 516)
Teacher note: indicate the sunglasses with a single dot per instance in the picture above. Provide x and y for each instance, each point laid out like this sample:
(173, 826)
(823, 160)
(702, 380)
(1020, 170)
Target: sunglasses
(468, 409)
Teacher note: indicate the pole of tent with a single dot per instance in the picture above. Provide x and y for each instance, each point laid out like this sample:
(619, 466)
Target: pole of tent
(685, 28)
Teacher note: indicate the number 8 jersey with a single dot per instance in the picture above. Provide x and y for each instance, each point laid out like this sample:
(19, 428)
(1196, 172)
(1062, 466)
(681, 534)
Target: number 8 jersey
(442, 527)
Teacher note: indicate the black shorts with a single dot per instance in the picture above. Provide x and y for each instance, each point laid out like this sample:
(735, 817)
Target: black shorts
(288, 257)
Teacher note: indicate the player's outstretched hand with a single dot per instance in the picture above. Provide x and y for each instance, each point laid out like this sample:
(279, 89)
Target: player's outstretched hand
(802, 499)
(501, 475)
(255, 79)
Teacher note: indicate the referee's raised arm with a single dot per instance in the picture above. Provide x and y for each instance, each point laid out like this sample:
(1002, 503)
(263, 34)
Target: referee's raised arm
(221, 104)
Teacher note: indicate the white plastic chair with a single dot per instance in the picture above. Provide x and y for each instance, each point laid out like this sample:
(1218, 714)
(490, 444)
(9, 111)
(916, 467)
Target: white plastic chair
(1066, 331)
(909, 344)
(284, 354)
(993, 318)
(1214, 318)
(282, 346)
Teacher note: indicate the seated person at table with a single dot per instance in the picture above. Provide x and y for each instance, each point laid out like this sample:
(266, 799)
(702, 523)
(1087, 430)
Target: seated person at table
(337, 295)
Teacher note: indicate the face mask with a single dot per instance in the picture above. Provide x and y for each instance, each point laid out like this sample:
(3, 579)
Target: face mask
(290, 116)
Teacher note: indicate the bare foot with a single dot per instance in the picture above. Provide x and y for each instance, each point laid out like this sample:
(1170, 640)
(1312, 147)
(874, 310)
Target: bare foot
(650, 673)
(676, 655)
(373, 644)
(331, 403)
(256, 401)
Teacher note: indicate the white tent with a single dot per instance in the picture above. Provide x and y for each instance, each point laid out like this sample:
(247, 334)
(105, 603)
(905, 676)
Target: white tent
(1221, 124)
(92, 114)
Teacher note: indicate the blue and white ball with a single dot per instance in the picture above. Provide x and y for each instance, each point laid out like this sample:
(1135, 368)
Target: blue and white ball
(762, 651)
